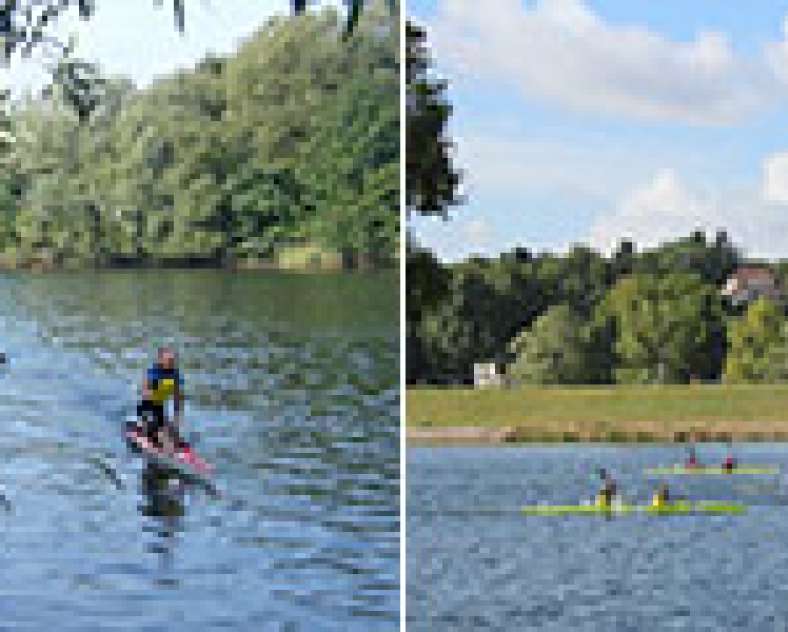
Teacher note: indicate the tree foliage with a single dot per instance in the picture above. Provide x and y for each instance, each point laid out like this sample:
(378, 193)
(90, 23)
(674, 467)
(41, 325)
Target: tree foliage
(294, 139)
(580, 317)
(777, 357)
(555, 350)
(431, 180)
(757, 344)
(667, 328)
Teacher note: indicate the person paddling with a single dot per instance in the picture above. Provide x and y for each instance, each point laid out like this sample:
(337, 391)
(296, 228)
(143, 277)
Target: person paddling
(661, 497)
(608, 492)
(161, 383)
(729, 464)
(692, 458)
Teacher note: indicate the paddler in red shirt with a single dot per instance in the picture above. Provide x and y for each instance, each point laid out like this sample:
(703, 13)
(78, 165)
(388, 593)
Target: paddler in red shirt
(729, 464)
(692, 459)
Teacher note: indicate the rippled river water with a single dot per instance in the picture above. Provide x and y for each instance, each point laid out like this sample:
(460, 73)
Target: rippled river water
(475, 563)
(292, 393)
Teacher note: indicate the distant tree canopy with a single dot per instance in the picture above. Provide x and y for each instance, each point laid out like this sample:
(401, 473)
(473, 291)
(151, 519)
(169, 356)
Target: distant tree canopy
(294, 139)
(556, 350)
(756, 341)
(777, 357)
(667, 328)
(656, 316)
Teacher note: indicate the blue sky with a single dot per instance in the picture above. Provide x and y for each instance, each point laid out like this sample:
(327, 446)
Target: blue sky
(138, 39)
(587, 121)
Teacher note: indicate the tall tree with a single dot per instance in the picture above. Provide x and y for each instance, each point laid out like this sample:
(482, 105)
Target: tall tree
(667, 328)
(751, 339)
(427, 284)
(555, 350)
(431, 181)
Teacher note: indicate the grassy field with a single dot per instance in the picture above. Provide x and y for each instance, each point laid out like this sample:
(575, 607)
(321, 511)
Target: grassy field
(618, 413)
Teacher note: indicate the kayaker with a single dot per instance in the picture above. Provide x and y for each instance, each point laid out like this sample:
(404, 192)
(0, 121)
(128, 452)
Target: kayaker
(661, 497)
(729, 464)
(161, 383)
(692, 458)
(608, 491)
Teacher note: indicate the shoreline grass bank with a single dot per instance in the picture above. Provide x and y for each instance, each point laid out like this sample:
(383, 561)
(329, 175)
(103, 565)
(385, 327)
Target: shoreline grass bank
(637, 414)
(294, 258)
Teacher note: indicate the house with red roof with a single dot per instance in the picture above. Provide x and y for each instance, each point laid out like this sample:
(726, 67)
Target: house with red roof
(750, 283)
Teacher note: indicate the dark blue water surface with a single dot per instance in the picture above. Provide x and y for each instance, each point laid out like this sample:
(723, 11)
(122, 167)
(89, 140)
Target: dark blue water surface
(475, 563)
(292, 393)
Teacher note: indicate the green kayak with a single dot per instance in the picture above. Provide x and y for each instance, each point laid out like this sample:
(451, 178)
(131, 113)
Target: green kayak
(674, 508)
(741, 470)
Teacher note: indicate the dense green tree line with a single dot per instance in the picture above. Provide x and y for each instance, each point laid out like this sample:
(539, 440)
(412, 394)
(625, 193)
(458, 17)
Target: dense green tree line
(295, 139)
(657, 316)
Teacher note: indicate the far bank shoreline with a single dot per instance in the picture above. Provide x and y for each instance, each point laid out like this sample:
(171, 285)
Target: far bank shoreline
(593, 414)
(478, 435)
(183, 267)
(307, 258)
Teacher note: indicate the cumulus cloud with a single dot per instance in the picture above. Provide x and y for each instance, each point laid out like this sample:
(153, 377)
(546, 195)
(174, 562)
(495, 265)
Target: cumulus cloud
(462, 236)
(775, 178)
(476, 232)
(509, 163)
(561, 52)
(653, 213)
(776, 54)
(665, 208)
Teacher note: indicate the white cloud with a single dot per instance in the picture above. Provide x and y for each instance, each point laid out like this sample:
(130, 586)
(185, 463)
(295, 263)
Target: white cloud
(776, 54)
(775, 178)
(561, 52)
(513, 164)
(476, 233)
(658, 211)
(665, 209)
(459, 237)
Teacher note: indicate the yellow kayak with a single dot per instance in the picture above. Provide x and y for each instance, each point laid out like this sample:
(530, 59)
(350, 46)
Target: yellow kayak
(682, 507)
(704, 470)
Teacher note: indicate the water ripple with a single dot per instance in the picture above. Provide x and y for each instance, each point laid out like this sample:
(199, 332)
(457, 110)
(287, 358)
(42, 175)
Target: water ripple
(292, 391)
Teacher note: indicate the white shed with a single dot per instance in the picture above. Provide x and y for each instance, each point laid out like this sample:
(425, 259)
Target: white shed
(486, 374)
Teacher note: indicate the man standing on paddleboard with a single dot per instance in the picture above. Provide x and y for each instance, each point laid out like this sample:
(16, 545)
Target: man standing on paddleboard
(161, 383)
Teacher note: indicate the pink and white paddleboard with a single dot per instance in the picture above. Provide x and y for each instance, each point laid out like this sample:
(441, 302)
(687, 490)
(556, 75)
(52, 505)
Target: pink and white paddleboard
(184, 457)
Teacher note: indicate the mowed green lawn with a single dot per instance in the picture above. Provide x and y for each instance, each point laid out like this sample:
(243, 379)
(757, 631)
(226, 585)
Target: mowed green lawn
(600, 411)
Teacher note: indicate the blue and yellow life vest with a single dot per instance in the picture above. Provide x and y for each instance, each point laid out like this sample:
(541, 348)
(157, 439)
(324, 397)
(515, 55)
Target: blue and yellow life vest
(162, 383)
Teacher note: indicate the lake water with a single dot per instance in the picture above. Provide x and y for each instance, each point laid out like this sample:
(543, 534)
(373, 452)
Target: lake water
(475, 563)
(292, 394)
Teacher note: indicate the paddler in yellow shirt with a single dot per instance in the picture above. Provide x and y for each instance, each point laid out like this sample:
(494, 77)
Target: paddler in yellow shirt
(661, 497)
(609, 490)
